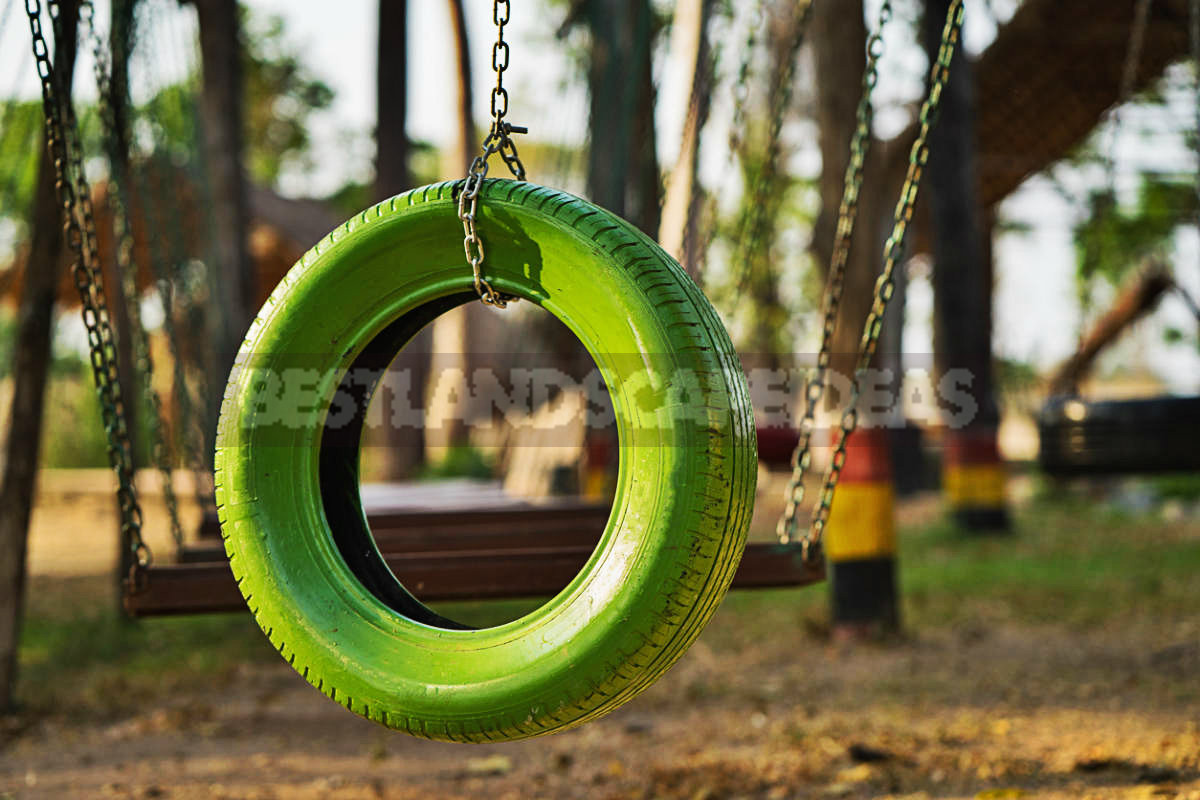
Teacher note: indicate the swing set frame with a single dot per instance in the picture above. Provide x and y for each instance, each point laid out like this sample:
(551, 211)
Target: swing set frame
(522, 551)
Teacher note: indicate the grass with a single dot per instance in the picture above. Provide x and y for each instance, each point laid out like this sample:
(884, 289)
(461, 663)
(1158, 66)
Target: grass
(78, 652)
(1069, 562)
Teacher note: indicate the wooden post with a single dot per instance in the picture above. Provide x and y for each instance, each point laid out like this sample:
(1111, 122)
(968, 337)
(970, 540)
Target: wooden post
(31, 360)
(221, 111)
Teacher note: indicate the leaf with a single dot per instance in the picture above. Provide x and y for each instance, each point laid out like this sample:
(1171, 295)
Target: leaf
(490, 765)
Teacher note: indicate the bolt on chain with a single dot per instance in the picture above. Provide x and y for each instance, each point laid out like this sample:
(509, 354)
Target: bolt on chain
(860, 145)
(886, 284)
(79, 232)
(499, 140)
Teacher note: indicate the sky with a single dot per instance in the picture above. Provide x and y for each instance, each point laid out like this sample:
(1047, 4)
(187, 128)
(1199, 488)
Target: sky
(1036, 312)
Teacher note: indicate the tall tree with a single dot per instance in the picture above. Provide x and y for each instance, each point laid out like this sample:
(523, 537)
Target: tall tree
(452, 330)
(622, 160)
(678, 228)
(962, 287)
(31, 357)
(467, 145)
(839, 37)
(962, 281)
(222, 117)
(405, 450)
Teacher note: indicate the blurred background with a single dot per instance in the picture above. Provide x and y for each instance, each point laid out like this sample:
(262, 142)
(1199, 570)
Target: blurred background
(1024, 616)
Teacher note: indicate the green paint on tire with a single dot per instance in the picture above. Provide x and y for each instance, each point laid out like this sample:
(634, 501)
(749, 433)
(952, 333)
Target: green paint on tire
(288, 497)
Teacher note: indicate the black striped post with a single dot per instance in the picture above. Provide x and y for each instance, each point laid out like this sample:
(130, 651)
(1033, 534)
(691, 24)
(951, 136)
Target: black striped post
(860, 540)
(973, 480)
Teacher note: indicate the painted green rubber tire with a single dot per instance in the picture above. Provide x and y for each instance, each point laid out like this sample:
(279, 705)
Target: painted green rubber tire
(685, 482)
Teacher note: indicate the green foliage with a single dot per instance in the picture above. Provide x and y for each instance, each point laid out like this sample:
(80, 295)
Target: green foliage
(172, 118)
(8, 334)
(1113, 241)
(754, 294)
(73, 432)
(459, 462)
(20, 135)
(1184, 486)
(281, 96)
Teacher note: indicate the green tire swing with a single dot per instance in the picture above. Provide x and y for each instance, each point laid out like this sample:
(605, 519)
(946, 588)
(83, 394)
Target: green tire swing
(287, 466)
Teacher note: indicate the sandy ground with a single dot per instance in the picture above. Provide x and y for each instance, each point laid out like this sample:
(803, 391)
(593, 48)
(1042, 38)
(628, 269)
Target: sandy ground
(995, 712)
(996, 715)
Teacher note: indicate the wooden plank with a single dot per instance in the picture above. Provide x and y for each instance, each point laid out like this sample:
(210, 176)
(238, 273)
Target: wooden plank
(437, 576)
(552, 525)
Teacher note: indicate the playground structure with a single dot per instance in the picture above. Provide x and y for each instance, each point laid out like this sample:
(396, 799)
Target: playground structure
(417, 552)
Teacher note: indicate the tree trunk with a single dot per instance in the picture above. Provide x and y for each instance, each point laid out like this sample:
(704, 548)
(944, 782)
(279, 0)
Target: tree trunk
(1137, 298)
(451, 331)
(962, 286)
(1051, 74)
(233, 276)
(839, 37)
(622, 161)
(677, 231)
(467, 144)
(31, 360)
(405, 446)
(123, 294)
(392, 175)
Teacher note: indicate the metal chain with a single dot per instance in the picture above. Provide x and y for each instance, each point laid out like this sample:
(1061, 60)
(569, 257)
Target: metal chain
(167, 212)
(79, 231)
(754, 229)
(499, 140)
(860, 145)
(126, 268)
(741, 86)
(886, 284)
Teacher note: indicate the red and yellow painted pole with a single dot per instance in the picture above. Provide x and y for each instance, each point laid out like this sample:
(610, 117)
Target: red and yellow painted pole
(599, 466)
(860, 539)
(973, 479)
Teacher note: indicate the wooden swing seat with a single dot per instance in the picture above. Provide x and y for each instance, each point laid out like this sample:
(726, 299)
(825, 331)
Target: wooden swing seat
(497, 549)
(461, 540)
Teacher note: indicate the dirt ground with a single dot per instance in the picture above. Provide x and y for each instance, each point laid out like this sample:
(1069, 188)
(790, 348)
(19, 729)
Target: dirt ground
(997, 710)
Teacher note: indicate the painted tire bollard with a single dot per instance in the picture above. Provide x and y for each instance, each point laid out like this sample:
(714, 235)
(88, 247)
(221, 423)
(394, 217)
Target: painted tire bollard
(974, 479)
(860, 539)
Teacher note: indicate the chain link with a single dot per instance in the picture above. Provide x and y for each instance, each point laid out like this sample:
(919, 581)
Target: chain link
(499, 140)
(125, 269)
(79, 232)
(886, 284)
(753, 232)
(860, 145)
(741, 86)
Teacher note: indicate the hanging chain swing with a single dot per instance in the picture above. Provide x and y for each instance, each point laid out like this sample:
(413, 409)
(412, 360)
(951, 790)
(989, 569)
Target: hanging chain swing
(499, 140)
(79, 232)
(789, 523)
